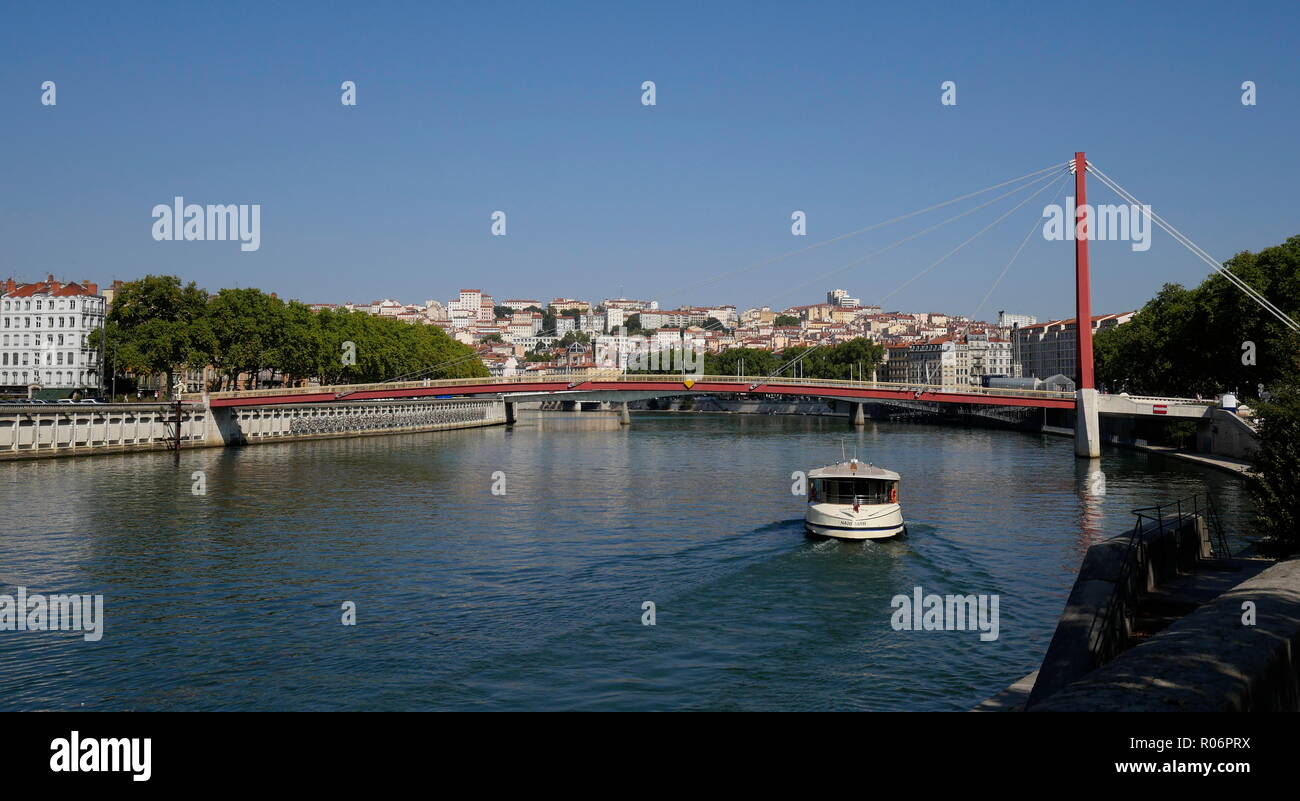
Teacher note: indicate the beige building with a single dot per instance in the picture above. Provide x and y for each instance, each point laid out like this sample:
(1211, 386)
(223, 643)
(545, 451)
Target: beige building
(1048, 349)
(952, 361)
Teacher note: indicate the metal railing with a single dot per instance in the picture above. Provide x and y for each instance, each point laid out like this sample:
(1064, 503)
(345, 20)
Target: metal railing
(1175, 513)
(1108, 632)
(1169, 401)
(747, 383)
(855, 500)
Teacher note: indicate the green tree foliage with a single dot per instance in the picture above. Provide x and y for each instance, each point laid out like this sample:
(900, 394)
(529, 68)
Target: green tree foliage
(574, 336)
(158, 326)
(386, 348)
(853, 358)
(756, 362)
(785, 320)
(1276, 464)
(1187, 341)
(248, 328)
(633, 325)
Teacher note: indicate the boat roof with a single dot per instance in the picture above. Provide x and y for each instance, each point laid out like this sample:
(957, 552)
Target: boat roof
(853, 469)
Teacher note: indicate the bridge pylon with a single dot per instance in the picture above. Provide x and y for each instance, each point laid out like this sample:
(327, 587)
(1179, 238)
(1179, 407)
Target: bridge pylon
(1087, 434)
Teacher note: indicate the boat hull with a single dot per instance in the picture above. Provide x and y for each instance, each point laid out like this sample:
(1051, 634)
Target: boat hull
(868, 523)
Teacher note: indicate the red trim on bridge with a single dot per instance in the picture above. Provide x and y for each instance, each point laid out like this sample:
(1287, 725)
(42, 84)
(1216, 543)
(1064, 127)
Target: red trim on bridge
(669, 387)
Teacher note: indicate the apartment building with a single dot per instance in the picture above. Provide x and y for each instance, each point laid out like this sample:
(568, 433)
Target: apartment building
(44, 336)
(1048, 349)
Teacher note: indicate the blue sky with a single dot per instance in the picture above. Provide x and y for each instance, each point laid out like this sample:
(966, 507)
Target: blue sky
(534, 109)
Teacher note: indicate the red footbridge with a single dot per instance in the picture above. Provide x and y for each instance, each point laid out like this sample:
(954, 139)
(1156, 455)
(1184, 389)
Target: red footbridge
(619, 387)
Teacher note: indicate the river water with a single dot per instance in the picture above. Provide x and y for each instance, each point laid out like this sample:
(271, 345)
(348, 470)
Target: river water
(533, 599)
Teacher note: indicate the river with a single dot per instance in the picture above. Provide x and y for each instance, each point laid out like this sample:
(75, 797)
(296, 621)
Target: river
(533, 599)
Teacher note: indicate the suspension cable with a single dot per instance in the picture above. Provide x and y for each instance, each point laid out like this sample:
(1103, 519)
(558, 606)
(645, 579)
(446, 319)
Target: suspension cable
(860, 231)
(1032, 228)
(1197, 251)
(860, 260)
(972, 238)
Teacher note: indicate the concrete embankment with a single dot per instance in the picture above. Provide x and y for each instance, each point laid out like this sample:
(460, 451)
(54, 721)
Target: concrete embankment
(48, 430)
(1157, 621)
(1237, 653)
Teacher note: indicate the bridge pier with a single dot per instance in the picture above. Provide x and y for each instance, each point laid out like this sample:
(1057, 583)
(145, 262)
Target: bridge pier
(858, 415)
(510, 413)
(1087, 426)
(624, 416)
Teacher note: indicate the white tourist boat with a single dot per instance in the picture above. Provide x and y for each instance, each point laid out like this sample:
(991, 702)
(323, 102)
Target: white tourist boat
(854, 501)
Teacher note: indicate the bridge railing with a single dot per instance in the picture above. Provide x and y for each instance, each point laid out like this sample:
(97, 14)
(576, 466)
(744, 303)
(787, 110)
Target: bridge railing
(1171, 401)
(746, 383)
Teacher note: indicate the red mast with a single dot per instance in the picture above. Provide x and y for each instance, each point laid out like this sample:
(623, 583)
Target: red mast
(1082, 288)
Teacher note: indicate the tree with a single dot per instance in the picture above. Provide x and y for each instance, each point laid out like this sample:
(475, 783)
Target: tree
(248, 328)
(299, 351)
(784, 320)
(1275, 465)
(156, 325)
(633, 325)
(574, 336)
(1195, 341)
(756, 362)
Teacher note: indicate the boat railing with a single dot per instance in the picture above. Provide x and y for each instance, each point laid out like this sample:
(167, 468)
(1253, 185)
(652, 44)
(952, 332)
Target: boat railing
(860, 500)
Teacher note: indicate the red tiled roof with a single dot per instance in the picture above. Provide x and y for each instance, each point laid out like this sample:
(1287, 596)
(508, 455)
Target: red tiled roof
(49, 287)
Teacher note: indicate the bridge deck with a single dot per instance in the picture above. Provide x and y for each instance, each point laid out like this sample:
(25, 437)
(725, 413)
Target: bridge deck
(616, 384)
(668, 384)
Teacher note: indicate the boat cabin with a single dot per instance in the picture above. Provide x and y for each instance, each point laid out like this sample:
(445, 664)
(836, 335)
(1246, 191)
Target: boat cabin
(853, 483)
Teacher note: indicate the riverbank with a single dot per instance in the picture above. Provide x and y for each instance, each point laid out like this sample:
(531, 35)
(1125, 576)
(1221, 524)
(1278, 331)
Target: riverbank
(41, 431)
(1236, 466)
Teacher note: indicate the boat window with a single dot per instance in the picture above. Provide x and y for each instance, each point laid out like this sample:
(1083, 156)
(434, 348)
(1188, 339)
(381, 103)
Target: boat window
(852, 490)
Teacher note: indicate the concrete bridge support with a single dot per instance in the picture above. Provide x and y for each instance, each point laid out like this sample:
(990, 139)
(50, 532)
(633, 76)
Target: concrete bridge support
(858, 415)
(624, 416)
(1087, 426)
